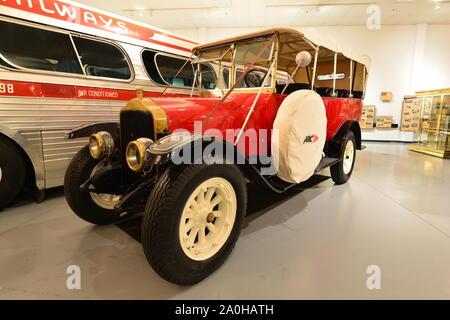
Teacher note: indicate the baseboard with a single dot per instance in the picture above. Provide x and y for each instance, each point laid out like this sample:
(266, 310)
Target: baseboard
(396, 141)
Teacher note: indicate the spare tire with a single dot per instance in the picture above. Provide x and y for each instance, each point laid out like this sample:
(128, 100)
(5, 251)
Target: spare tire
(299, 136)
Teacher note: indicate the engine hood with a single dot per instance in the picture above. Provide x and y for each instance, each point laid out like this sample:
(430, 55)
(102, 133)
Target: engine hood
(183, 112)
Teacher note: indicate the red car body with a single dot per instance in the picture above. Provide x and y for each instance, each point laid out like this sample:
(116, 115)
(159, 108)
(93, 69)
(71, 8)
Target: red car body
(182, 112)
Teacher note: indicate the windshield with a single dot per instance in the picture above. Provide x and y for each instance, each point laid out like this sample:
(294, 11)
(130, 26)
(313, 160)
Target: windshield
(222, 65)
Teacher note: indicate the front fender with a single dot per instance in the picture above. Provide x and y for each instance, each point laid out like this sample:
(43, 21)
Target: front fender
(190, 148)
(91, 128)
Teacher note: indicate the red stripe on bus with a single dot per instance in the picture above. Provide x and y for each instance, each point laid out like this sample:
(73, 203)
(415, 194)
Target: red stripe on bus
(50, 90)
(78, 15)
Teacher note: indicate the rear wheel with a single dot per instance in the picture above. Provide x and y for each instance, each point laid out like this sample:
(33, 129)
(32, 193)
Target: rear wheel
(192, 220)
(341, 171)
(91, 207)
(12, 172)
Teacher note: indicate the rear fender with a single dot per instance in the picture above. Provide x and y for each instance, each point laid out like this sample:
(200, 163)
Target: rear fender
(333, 146)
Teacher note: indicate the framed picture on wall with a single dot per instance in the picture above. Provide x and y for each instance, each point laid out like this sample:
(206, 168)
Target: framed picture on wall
(412, 107)
(367, 117)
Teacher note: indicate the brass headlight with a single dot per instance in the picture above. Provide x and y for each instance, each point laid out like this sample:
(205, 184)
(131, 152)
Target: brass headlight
(101, 144)
(136, 153)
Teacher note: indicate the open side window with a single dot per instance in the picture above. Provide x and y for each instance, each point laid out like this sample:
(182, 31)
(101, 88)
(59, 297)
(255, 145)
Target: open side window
(162, 69)
(101, 59)
(38, 49)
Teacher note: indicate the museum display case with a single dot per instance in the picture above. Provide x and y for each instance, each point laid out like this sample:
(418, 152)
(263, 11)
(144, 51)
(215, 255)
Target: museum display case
(433, 134)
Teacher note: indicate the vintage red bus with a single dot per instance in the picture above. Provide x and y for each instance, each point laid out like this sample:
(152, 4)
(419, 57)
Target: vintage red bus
(63, 64)
(275, 107)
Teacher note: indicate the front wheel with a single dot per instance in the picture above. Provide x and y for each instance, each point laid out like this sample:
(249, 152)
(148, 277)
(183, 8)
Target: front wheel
(192, 220)
(92, 207)
(341, 171)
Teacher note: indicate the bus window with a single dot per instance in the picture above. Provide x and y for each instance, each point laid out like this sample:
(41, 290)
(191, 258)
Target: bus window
(162, 69)
(100, 59)
(3, 63)
(38, 49)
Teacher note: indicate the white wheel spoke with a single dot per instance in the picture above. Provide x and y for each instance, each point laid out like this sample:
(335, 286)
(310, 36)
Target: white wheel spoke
(202, 235)
(188, 226)
(201, 197)
(211, 227)
(191, 237)
(217, 199)
(210, 193)
(194, 205)
(217, 213)
(189, 214)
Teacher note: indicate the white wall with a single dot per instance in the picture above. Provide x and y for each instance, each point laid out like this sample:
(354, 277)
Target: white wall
(405, 59)
(436, 63)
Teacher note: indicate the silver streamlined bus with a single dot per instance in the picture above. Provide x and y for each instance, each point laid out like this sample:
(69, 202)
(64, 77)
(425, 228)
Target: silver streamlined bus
(62, 65)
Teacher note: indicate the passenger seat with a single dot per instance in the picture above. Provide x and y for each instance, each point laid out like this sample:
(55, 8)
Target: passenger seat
(293, 87)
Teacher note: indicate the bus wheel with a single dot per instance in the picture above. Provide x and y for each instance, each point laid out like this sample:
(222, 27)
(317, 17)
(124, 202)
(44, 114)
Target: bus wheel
(91, 207)
(12, 172)
(341, 171)
(192, 220)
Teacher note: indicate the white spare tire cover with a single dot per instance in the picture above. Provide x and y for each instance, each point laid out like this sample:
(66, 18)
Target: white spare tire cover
(299, 136)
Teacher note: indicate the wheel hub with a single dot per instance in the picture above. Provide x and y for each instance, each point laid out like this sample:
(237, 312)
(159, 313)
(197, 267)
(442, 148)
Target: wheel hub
(210, 217)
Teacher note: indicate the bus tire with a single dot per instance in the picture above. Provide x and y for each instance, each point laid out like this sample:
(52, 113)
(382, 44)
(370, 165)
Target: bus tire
(12, 172)
(82, 203)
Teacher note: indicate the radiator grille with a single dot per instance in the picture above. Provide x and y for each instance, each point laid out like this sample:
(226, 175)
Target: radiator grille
(134, 124)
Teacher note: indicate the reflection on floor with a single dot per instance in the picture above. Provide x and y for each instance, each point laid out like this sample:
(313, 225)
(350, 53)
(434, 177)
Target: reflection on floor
(313, 243)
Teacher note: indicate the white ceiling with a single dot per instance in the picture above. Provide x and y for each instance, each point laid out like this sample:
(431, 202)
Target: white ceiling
(179, 14)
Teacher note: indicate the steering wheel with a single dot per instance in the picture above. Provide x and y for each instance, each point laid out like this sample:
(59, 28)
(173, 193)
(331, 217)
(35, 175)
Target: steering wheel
(254, 78)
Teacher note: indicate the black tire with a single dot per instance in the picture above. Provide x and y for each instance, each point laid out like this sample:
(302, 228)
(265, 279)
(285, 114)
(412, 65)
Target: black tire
(13, 172)
(161, 221)
(337, 170)
(78, 171)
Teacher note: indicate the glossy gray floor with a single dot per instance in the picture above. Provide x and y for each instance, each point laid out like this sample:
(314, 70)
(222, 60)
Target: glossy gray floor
(317, 243)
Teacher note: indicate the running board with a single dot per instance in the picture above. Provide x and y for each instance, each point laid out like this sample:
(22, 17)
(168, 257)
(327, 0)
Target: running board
(279, 186)
(326, 162)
